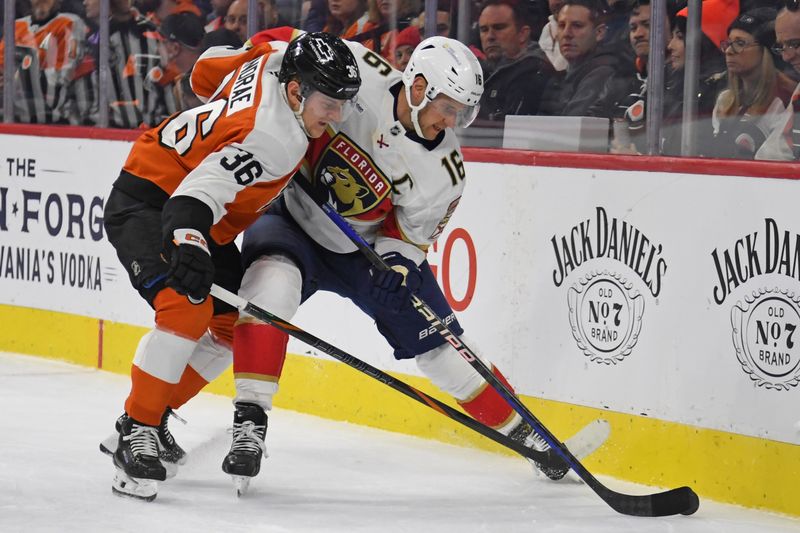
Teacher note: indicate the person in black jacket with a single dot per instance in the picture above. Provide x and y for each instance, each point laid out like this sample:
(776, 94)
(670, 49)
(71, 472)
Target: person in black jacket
(590, 65)
(517, 71)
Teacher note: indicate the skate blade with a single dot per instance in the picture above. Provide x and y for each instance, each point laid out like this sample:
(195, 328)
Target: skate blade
(137, 488)
(242, 484)
(171, 468)
(109, 446)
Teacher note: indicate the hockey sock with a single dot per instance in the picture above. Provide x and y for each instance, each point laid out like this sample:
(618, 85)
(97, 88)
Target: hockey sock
(190, 384)
(148, 398)
(210, 358)
(259, 352)
(487, 406)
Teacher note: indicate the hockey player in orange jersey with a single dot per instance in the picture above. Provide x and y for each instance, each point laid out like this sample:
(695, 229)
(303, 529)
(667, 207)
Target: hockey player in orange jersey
(188, 188)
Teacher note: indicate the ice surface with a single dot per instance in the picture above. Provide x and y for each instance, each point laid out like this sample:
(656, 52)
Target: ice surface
(321, 475)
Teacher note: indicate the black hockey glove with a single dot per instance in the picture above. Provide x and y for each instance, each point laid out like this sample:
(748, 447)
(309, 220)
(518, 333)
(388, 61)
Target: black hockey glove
(393, 288)
(191, 271)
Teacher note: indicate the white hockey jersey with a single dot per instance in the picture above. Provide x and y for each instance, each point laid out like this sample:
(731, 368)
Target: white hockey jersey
(396, 189)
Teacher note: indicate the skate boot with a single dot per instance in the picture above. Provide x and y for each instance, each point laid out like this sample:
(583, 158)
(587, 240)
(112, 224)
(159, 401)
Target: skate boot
(169, 451)
(136, 458)
(243, 461)
(554, 467)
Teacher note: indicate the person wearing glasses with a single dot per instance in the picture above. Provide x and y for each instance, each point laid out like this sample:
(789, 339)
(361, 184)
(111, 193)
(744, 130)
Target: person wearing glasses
(748, 111)
(784, 142)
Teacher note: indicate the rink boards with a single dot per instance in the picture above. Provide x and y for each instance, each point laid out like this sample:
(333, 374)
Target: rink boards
(665, 301)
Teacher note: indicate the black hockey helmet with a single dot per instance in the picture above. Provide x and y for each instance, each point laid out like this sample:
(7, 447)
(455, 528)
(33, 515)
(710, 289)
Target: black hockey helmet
(323, 62)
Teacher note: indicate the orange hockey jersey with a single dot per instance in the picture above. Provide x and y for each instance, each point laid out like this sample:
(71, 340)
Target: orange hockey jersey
(235, 153)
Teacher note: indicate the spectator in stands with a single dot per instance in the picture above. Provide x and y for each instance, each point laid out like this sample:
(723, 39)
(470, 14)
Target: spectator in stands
(618, 31)
(269, 16)
(217, 17)
(381, 37)
(548, 40)
(182, 90)
(443, 25)
(516, 71)
(236, 18)
(135, 93)
(751, 107)
(717, 16)
(316, 15)
(784, 141)
(629, 111)
(180, 47)
(407, 41)
(221, 37)
(157, 10)
(580, 31)
(49, 46)
(347, 18)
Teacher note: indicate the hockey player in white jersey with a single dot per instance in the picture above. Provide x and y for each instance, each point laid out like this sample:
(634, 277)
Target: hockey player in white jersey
(394, 169)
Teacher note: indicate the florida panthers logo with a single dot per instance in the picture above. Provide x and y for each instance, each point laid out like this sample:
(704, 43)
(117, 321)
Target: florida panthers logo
(348, 192)
(355, 183)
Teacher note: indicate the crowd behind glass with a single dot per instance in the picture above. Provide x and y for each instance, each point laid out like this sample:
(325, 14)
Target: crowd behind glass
(575, 62)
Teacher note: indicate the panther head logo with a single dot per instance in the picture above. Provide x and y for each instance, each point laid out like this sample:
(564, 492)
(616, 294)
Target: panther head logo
(349, 193)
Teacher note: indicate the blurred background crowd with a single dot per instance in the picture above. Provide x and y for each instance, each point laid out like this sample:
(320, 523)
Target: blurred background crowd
(559, 74)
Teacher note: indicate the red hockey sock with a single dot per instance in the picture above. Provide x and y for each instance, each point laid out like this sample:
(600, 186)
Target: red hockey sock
(259, 351)
(487, 406)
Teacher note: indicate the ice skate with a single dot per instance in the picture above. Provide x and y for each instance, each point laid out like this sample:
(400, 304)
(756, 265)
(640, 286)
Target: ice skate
(136, 458)
(555, 467)
(169, 451)
(582, 444)
(243, 461)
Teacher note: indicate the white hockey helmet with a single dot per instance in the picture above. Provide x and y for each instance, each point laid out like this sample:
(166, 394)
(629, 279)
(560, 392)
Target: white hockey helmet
(450, 68)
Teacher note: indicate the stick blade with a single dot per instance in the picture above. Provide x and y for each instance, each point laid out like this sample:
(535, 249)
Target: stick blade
(682, 500)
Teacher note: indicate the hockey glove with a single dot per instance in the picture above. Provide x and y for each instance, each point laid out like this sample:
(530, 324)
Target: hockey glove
(393, 288)
(191, 271)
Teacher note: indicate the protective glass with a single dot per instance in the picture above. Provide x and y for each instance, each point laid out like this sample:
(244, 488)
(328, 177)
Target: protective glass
(463, 115)
(322, 105)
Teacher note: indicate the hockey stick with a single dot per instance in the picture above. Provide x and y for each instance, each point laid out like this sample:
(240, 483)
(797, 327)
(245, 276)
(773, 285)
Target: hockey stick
(315, 342)
(682, 500)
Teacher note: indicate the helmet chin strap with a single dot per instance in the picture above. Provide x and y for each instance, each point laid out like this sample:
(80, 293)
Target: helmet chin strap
(298, 115)
(415, 109)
